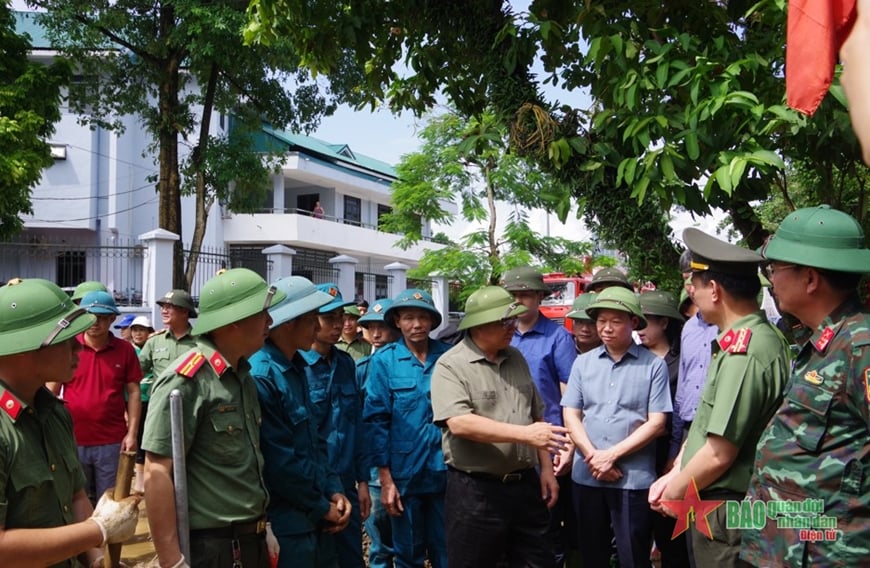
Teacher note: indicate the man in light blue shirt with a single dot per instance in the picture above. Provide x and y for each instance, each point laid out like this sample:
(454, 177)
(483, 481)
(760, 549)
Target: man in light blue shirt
(615, 405)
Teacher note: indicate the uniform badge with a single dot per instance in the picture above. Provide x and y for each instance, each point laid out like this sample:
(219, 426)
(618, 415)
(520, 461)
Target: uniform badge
(333, 291)
(218, 363)
(10, 405)
(377, 308)
(418, 296)
(736, 340)
(823, 340)
(191, 364)
(814, 378)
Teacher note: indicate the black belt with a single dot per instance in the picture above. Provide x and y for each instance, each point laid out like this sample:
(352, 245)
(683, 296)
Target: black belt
(512, 477)
(234, 531)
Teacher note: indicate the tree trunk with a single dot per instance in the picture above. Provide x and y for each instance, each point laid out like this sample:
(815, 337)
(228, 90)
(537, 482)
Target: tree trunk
(203, 204)
(495, 269)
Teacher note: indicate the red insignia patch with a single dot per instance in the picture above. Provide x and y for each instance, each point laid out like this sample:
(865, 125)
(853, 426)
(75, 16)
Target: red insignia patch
(727, 339)
(191, 364)
(824, 339)
(333, 292)
(736, 340)
(218, 363)
(10, 405)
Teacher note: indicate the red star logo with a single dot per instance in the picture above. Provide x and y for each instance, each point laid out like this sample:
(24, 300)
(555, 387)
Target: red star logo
(690, 508)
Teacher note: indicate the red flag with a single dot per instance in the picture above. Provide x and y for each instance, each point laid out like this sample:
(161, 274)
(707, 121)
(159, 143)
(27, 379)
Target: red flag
(816, 30)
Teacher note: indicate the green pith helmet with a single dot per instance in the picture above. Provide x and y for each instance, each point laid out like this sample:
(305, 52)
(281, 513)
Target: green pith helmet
(302, 296)
(413, 298)
(710, 253)
(660, 303)
(178, 298)
(331, 288)
(524, 278)
(489, 304)
(620, 299)
(36, 313)
(607, 277)
(376, 312)
(820, 237)
(232, 296)
(578, 309)
(85, 287)
(352, 311)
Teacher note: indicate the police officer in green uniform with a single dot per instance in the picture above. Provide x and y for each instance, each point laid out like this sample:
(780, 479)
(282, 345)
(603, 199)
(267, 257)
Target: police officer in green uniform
(46, 518)
(227, 494)
(175, 339)
(816, 446)
(745, 382)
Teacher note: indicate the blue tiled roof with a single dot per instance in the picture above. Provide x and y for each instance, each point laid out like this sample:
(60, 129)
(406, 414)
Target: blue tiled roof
(25, 23)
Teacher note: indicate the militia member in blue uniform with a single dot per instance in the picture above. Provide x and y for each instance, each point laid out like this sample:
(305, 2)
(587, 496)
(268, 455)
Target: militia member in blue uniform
(46, 518)
(816, 446)
(377, 525)
(405, 445)
(221, 413)
(337, 403)
(307, 505)
(744, 386)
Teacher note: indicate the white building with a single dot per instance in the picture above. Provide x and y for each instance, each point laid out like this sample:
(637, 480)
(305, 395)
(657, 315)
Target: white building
(100, 193)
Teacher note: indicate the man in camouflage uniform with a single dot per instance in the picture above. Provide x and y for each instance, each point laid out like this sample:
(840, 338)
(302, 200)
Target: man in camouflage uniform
(816, 445)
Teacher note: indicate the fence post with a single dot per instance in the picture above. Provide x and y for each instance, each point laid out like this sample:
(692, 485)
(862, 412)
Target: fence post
(441, 297)
(399, 281)
(346, 266)
(156, 268)
(281, 258)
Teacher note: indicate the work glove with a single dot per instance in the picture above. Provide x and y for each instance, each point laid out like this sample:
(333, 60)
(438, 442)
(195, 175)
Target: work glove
(272, 546)
(116, 519)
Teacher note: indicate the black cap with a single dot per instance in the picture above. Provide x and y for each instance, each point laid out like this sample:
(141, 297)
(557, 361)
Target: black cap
(709, 253)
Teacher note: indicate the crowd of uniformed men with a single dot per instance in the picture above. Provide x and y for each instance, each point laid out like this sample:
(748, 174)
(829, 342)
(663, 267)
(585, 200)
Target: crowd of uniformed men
(512, 444)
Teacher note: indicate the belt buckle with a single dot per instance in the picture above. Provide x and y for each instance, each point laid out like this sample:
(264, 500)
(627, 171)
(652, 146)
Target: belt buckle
(261, 526)
(512, 477)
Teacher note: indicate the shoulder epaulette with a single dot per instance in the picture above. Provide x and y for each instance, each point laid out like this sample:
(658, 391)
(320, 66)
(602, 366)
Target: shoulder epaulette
(824, 339)
(10, 405)
(736, 340)
(218, 363)
(191, 364)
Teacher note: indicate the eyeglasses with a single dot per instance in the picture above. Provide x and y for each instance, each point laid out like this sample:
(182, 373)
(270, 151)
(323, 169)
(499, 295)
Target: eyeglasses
(770, 269)
(510, 323)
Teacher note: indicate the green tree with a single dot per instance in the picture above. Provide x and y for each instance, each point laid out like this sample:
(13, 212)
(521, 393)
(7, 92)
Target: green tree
(29, 108)
(467, 162)
(174, 64)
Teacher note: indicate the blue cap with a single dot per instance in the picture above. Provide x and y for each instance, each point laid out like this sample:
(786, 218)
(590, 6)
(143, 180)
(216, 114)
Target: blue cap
(376, 312)
(100, 303)
(413, 298)
(337, 302)
(126, 321)
(302, 297)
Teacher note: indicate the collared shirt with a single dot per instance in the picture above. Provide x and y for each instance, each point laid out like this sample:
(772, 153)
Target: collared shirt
(159, 351)
(550, 352)
(744, 387)
(616, 398)
(337, 405)
(95, 396)
(297, 469)
(398, 417)
(358, 348)
(816, 447)
(465, 382)
(221, 436)
(39, 466)
(696, 343)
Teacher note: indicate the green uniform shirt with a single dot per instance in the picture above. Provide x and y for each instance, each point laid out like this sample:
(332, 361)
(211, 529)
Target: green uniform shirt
(39, 466)
(221, 436)
(159, 351)
(464, 382)
(745, 382)
(816, 447)
(358, 348)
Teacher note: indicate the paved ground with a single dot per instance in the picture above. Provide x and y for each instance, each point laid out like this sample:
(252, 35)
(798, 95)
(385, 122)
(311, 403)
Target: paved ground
(139, 548)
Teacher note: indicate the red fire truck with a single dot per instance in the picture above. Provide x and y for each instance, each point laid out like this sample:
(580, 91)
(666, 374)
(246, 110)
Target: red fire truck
(564, 290)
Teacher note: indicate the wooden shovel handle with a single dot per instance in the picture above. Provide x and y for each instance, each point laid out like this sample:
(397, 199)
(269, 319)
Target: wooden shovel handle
(123, 482)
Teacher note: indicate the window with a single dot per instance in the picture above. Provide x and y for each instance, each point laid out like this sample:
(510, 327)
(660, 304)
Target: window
(352, 210)
(383, 210)
(71, 268)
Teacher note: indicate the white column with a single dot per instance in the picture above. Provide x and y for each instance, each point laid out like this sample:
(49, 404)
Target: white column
(278, 194)
(441, 297)
(346, 266)
(156, 268)
(399, 281)
(282, 260)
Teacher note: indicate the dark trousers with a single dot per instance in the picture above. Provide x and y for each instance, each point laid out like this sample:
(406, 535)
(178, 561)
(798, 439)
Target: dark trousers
(308, 550)
(675, 551)
(563, 522)
(218, 552)
(604, 512)
(490, 523)
(724, 549)
(348, 542)
(380, 532)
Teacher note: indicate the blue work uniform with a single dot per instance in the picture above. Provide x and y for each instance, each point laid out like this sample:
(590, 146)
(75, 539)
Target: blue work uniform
(402, 436)
(297, 468)
(337, 402)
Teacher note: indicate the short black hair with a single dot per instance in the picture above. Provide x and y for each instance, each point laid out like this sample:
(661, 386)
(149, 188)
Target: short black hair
(840, 281)
(363, 303)
(739, 287)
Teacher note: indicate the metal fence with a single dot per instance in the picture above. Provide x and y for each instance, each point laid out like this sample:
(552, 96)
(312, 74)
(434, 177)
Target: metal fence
(117, 264)
(213, 259)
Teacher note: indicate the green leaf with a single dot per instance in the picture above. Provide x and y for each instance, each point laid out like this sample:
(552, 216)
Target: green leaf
(723, 178)
(692, 149)
(667, 165)
(662, 74)
(735, 170)
(629, 170)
